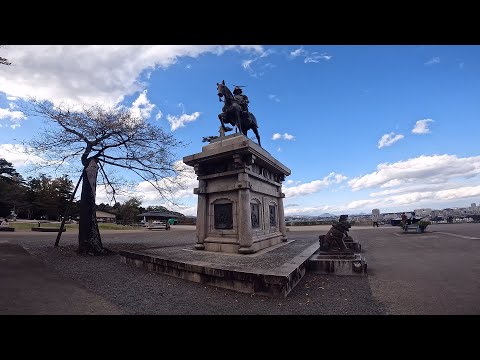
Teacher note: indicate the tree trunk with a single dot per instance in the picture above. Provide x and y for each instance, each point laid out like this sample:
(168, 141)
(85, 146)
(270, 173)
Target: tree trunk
(89, 240)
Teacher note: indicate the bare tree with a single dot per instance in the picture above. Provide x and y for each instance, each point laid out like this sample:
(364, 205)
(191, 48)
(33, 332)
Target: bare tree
(104, 137)
(4, 61)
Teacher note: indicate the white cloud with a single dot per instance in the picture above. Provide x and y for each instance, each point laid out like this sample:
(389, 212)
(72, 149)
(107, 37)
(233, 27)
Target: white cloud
(159, 115)
(142, 107)
(312, 210)
(12, 98)
(180, 121)
(389, 139)
(246, 64)
(265, 53)
(421, 126)
(314, 186)
(338, 177)
(91, 73)
(434, 60)
(188, 67)
(310, 57)
(464, 192)
(361, 204)
(417, 199)
(400, 188)
(285, 136)
(274, 97)
(9, 114)
(181, 188)
(325, 56)
(15, 116)
(18, 155)
(185, 210)
(298, 52)
(434, 168)
(315, 58)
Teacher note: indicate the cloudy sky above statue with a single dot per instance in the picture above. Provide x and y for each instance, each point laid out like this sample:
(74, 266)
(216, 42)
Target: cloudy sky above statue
(361, 127)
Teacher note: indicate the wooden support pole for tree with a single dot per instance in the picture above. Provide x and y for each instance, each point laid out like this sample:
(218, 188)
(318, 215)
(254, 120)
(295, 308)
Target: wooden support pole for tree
(62, 225)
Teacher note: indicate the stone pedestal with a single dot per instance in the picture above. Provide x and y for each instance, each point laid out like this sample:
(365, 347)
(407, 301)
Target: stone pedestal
(355, 246)
(240, 202)
(337, 263)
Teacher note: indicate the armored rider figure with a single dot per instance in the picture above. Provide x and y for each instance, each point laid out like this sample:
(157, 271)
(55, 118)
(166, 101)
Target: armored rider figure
(241, 99)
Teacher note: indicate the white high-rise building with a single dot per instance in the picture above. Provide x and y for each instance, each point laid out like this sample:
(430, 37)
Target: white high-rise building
(375, 214)
(474, 209)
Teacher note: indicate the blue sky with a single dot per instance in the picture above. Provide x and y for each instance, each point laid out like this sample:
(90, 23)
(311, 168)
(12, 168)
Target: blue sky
(361, 127)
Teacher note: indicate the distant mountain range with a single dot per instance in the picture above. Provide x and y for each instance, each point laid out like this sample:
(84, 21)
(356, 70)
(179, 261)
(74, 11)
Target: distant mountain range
(327, 215)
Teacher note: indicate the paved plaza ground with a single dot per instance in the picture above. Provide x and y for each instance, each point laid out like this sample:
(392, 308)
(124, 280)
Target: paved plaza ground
(437, 272)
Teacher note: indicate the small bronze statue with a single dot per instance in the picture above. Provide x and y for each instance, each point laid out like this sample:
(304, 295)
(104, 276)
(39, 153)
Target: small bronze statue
(335, 238)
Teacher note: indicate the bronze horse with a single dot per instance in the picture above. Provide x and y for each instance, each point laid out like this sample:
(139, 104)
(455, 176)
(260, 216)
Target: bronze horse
(232, 113)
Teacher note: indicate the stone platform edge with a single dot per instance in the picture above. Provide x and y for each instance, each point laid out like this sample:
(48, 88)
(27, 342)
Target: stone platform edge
(260, 282)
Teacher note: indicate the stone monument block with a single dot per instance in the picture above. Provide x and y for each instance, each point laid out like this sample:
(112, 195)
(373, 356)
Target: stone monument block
(240, 199)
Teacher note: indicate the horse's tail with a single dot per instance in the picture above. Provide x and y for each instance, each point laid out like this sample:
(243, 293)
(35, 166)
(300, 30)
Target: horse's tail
(253, 119)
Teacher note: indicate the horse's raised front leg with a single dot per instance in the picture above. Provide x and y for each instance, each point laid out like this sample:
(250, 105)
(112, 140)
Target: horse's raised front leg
(225, 128)
(220, 117)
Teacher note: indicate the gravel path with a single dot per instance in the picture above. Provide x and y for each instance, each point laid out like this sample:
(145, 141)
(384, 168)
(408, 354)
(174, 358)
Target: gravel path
(136, 291)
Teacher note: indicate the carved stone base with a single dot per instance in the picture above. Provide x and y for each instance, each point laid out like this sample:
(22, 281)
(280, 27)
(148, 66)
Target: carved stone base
(240, 202)
(230, 245)
(246, 250)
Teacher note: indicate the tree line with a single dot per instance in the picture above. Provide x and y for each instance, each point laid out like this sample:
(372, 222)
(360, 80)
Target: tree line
(44, 197)
(33, 198)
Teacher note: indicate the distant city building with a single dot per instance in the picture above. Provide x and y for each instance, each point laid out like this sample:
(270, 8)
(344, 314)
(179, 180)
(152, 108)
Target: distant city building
(463, 214)
(474, 209)
(423, 212)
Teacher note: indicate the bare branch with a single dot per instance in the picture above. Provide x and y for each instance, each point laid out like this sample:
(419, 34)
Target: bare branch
(112, 135)
(108, 181)
(4, 61)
